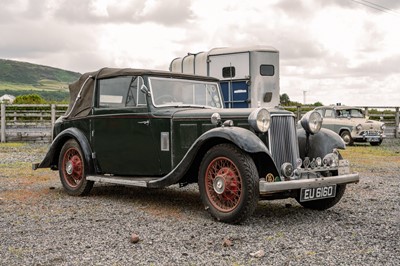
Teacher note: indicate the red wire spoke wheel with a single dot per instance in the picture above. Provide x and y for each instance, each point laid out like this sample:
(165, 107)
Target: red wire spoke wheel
(223, 184)
(71, 166)
(228, 183)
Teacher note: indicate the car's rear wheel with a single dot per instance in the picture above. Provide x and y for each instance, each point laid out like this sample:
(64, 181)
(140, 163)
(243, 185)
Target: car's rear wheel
(228, 183)
(346, 136)
(72, 170)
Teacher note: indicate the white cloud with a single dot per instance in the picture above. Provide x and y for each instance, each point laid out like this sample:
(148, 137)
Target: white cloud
(339, 51)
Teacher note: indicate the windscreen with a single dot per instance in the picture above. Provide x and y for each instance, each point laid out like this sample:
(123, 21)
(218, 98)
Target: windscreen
(183, 93)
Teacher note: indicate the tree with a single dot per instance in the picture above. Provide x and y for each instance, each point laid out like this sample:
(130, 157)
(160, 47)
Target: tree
(29, 99)
(284, 99)
(318, 104)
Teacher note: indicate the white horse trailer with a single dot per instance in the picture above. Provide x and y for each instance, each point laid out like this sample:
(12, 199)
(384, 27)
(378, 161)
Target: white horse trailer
(249, 75)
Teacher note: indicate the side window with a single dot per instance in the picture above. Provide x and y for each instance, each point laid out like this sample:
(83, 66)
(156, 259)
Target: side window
(228, 72)
(329, 113)
(119, 92)
(267, 70)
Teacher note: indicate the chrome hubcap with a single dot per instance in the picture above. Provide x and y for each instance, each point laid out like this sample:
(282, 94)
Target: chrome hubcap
(219, 185)
(69, 167)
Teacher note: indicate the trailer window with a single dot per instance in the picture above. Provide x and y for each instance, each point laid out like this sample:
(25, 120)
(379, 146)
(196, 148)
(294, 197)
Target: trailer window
(267, 70)
(228, 72)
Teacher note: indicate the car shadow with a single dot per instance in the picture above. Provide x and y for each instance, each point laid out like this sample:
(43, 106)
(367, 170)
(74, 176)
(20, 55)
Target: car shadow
(185, 203)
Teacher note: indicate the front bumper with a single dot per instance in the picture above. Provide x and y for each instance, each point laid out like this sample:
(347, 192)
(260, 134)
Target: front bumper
(273, 187)
(368, 136)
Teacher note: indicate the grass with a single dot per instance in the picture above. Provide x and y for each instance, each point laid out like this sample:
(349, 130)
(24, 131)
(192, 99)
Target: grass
(42, 85)
(365, 158)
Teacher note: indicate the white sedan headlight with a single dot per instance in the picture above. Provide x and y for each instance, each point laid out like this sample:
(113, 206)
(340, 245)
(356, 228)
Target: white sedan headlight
(260, 120)
(311, 122)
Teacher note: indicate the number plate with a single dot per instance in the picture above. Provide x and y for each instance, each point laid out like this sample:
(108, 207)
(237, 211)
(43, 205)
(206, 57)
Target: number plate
(373, 139)
(317, 193)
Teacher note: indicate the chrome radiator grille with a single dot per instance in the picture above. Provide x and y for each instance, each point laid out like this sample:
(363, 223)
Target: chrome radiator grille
(283, 142)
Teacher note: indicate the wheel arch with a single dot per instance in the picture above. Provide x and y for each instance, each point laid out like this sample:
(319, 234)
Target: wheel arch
(341, 130)
(53, 154)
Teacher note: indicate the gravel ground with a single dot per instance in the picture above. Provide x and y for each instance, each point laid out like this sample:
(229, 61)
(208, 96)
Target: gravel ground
(41, 225)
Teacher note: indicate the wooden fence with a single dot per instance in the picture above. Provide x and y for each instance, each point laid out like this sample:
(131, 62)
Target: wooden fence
(29, 122)
(34, 123)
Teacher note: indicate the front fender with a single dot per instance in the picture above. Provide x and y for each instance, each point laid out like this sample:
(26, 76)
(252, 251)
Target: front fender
(51, 158)
(320, 144)
(243, 138)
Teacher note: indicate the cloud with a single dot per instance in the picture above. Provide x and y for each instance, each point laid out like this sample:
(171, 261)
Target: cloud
(124, 11)
(330, 48)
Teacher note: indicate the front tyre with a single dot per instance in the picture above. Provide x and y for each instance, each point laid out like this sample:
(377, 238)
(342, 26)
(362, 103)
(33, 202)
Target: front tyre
(72, 170)
(324, 204)
(346, 136)
(376, 143)
(228, 183)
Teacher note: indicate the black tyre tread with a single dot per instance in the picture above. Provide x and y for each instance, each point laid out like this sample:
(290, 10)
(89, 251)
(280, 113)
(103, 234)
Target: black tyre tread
(325, 204)
(376, 143)
(252, 194)
(86, 185)
(351, 142)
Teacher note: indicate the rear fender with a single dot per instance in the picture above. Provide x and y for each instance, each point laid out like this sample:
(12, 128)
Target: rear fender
(53, 154)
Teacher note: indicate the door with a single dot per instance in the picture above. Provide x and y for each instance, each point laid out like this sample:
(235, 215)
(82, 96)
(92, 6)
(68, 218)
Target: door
(236, 94)
(122, 135)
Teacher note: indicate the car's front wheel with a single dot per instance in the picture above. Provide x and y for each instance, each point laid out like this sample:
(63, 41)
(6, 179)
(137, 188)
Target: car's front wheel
(376, 143)
(228, 183)
(346, 136)
(71, 166)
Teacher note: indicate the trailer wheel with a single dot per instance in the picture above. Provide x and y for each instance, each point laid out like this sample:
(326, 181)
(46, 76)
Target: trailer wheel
(228, 183)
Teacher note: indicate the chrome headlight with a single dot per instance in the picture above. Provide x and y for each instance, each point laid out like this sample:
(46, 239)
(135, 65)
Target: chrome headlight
(359, 127)
(311, 122)
(260, 120)
(383, 127)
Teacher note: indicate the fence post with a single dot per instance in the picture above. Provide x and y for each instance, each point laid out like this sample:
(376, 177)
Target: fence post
(396, 119)
(53, 119)
(3, 123)
(298, 112)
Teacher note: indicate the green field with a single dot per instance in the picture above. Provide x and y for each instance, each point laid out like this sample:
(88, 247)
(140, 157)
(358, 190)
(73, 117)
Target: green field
(21, 78)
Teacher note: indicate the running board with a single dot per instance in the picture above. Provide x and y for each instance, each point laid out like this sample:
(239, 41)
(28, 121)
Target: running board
(122, 180)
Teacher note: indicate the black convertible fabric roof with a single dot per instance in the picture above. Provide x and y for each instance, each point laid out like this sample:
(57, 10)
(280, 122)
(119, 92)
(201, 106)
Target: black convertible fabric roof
(82, 91)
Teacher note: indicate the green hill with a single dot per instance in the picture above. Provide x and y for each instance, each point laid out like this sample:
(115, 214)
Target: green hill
(17, 78)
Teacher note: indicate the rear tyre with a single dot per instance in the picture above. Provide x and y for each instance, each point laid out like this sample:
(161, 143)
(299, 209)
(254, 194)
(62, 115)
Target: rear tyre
(71, 165)
(346, 136)
(324, 204)
(228, 183)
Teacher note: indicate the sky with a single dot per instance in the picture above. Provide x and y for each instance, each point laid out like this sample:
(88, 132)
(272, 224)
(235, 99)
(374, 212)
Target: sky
(331, 51)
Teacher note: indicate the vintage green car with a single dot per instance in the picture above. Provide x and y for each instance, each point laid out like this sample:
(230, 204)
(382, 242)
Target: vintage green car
(154, 129)
(351, 124)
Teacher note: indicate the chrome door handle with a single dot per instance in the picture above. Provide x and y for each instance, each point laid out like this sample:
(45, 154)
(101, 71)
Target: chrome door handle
(147, 122)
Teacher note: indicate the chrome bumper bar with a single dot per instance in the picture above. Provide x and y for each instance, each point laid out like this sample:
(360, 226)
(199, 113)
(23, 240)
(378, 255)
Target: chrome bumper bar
(270, 187)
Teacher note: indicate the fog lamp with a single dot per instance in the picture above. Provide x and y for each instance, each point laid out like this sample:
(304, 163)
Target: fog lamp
(287, 170)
